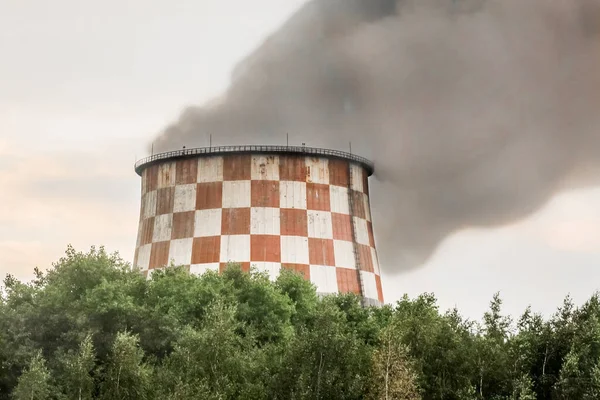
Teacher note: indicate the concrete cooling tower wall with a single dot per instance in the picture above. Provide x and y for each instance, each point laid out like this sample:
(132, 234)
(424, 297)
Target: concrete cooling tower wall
(263, 207)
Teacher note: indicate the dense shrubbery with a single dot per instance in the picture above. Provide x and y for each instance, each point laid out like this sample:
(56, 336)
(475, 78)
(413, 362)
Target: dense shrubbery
(91, 328)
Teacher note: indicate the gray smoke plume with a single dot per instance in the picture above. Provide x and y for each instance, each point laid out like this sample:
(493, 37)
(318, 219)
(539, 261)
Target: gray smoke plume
(475, 111)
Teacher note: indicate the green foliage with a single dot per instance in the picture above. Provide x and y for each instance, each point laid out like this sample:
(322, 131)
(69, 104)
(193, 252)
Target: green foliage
(441, 345)
(301, 292)
(215, 361)
(392, 374)
(91, 328)
(126, 376)
(491, 352)
(77, 380)
(264, 310)
(523, 389)
(326, 359)
(34, 382)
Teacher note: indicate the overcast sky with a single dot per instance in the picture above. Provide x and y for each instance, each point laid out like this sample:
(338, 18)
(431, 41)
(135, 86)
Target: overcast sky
(85, 85)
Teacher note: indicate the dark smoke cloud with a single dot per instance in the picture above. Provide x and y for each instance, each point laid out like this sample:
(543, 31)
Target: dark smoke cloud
(475, 111)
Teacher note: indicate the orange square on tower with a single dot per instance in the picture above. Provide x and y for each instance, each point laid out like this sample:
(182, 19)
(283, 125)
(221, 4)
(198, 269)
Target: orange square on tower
(365, 179)
(371, 235)
(342, 227)
(347, 280)
(183, 225)
(159, 256)
(186, 171)
(302, 269)
(265, 194)
(358, 204)
(150, 178)
(147, 231)
(265, 248)
(317, 197)
(294, 222)
(365, 257)
(206, 250)
(338, 172)
(379, 288)
(292, 168)
(165, 198)
(245, 266)
(320, 252)
(209, 195)
(235, 221)
(237, 167)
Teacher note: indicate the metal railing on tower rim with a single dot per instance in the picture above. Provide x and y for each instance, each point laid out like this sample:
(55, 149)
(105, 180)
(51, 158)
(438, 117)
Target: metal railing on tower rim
(265, 149)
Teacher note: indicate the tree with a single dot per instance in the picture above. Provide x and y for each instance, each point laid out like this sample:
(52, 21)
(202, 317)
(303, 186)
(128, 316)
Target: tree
(300, 291)
(492, 352)
(108, 333)
(593, 389)
(260, 306)
(558, 336)
(34, 383)
(442, 347)
(528, 350)
(523, 389)
(214, 361)
(577, 375)
(77, 381)
(392, 375)
(324, 360)
(126, 376)
(358, 318)
(569, 384)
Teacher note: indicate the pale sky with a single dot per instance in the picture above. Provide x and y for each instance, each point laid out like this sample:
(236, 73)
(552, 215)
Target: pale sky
(85, 85)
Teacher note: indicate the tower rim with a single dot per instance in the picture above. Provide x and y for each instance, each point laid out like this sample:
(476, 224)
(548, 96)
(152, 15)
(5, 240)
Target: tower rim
(146, 162)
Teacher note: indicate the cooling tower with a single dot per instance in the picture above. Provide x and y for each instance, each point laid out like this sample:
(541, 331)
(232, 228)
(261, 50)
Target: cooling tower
(263, 207)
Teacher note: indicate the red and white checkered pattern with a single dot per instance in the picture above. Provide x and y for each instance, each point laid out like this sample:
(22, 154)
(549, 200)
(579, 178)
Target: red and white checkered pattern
(264, 211)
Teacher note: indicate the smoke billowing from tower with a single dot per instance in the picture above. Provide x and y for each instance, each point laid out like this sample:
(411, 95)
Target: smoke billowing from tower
(475, 111)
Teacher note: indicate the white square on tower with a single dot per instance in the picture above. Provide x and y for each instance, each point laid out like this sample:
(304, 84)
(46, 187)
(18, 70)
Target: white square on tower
(344, 254)
(208, 223)
(265, 168)
(166, 175)
(143, 259)
(163, 225)
(292, 194)
(185, 198)
(235, 248)
(294, 250)
(210, 169)
(361, 231)
(236, 194)
(271, 268)
(357, 177)
(201, 269)
(369, 285)
(367, 207)
(324, 278)
(265, 221)
(320, 225)
(317, 170)
(376, 267)
(149, 205)
(338, 198)
(180, 252)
